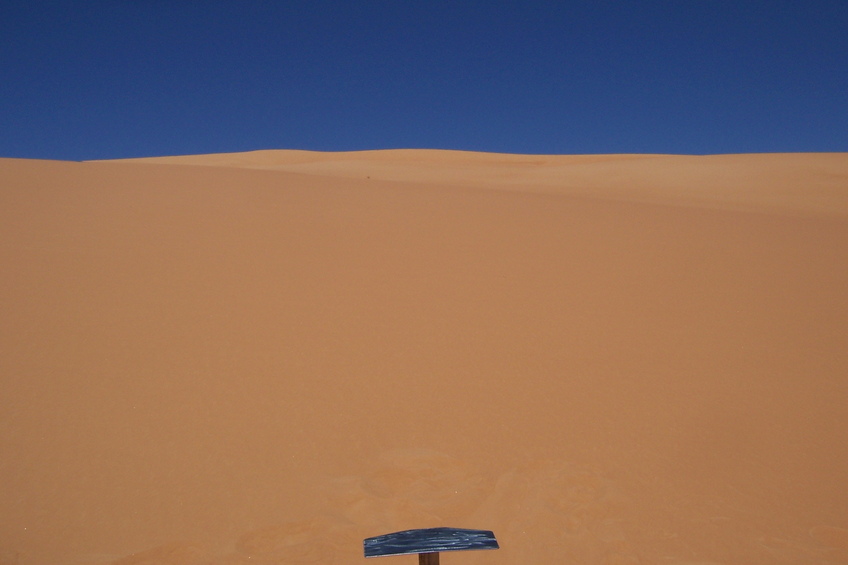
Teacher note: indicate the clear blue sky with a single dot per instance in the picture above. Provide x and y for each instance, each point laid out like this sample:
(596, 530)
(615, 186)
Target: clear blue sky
(94, 79)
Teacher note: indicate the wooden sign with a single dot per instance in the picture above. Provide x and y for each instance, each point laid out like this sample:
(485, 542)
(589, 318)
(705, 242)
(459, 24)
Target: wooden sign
(427, 543)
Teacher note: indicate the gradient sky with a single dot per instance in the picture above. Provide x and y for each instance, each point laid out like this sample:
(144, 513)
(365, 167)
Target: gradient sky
(131, 78)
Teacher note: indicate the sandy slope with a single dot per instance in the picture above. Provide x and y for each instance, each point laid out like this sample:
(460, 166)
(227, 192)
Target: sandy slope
(266, 357)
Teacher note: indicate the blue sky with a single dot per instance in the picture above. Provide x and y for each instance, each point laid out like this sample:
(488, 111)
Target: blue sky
(100, 79)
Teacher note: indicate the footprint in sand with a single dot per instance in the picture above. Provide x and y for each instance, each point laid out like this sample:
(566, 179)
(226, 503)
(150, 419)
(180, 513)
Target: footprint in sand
(830, 536)
(9, 557)
(307, 541)
(788, 550)
(170, 554)
(555, 512)
(410, 488)
(695, 563)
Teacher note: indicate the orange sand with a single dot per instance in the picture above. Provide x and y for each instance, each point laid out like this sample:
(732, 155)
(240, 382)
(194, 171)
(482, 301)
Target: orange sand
(266, 357)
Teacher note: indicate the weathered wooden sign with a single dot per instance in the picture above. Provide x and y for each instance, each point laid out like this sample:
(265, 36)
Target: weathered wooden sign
(427, 543)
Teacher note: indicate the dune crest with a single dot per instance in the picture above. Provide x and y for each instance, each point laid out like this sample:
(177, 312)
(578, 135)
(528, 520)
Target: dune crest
(810, 183)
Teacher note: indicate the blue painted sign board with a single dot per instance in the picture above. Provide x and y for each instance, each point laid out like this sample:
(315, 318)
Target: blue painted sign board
(431, 540)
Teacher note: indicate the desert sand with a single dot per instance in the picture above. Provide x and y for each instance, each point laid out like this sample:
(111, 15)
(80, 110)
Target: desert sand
(267, 357)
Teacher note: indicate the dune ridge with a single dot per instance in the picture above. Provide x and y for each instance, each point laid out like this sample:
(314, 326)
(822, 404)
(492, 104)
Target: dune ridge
(795, 183)
(611, 359)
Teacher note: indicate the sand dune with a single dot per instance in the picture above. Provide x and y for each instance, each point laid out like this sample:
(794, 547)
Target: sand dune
(800, 183)
(267, 357)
